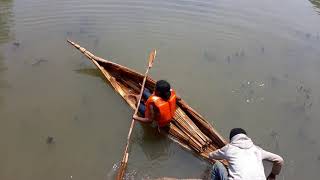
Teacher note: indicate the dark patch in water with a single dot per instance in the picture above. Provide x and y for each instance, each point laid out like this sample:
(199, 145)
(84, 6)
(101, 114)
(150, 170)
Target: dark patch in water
(91, 72)
(286, 75)
(305, 96)
(307, 118)
(37, 62)
(16, 44)
(274, 133)
(308, 35)
(206, 173)
(313, 142)
(75, 118)
(318, 158)
(262, 49)
(50, 140)
(228, 59)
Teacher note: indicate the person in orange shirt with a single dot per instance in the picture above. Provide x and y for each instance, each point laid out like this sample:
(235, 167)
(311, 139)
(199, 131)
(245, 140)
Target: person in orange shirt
(159, 106)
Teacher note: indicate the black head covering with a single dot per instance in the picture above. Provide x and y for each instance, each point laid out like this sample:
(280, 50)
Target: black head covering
(236, 131)
(163, 88)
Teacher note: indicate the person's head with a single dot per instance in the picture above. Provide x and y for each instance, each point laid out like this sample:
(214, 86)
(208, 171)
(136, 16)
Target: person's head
(236, 131)
(163, 89)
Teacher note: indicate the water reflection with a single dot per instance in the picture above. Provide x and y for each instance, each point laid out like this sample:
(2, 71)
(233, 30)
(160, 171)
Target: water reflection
(316, 4)
(152, 139)
(6, 17)
(91, 72)
(5, 35)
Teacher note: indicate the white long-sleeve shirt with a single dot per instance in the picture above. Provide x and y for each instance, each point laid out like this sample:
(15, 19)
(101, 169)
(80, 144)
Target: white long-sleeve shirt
(245, 159)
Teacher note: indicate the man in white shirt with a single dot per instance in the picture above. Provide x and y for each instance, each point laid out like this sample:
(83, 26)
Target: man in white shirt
(244, 158)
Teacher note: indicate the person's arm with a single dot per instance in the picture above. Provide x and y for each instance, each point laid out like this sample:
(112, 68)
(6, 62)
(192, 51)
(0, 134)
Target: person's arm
(142, 119)
(219, 154)
(277, 163)
(146, 119)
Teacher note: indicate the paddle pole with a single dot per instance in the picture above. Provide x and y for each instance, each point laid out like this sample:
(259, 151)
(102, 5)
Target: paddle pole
(125, 157)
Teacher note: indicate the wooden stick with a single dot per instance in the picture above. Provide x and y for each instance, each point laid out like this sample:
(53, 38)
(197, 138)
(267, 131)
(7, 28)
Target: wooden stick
(124, 161)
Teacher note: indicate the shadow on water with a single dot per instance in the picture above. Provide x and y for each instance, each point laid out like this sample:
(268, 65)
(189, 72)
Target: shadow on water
(152, 139)
(91, 72)
(316, 4)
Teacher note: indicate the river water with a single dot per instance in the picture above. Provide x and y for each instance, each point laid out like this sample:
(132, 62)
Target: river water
(246, 63)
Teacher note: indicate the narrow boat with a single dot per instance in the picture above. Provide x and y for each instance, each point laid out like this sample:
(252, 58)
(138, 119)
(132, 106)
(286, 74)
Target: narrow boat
(189, 129)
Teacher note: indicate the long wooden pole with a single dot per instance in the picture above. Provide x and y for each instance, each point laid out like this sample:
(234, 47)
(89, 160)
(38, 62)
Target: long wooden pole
(124, 161)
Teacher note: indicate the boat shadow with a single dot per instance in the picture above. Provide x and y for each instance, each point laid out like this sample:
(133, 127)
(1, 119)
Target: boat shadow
(93, 72)
(154, 145)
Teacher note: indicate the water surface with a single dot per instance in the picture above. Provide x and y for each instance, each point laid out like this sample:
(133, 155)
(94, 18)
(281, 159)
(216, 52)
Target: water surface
(250, 64)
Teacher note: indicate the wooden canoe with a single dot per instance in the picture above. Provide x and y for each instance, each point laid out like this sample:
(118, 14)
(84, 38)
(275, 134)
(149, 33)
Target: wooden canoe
(189, 129)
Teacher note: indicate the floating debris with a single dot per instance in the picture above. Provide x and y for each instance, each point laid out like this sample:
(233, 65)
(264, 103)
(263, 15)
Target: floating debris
(16, 44)
(50, 140)
(305, 96)
(38, 62)
(228, 59)
(75, 118)
(249, 91)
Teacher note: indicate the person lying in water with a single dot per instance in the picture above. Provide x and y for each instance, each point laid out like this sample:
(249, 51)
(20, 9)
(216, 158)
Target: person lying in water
(159, 106)
(244, 158)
